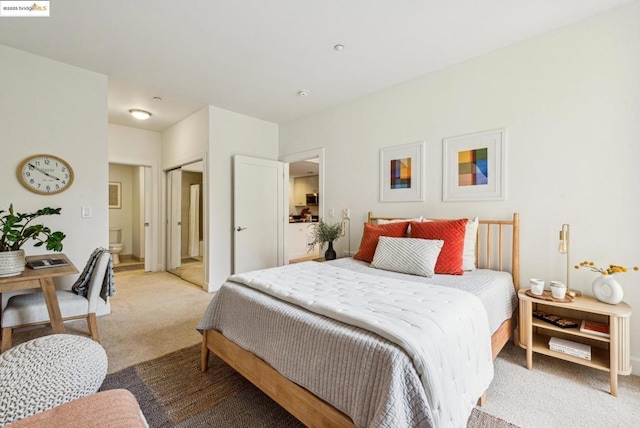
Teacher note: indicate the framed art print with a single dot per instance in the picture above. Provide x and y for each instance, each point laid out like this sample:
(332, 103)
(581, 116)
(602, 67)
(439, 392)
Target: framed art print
(115, 195)
(474, 167)
(401, 173)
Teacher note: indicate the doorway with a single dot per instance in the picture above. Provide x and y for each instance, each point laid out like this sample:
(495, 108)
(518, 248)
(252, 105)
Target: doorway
(129, 217)
(305, 203)
(185, 232)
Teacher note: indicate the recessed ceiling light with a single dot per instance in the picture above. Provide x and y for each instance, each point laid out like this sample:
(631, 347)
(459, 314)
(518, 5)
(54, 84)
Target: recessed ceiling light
(303, 93)
(140, 114)
(338, 47)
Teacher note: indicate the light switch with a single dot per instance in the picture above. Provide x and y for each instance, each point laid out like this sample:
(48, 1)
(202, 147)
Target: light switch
(332, 212)
(85, 212)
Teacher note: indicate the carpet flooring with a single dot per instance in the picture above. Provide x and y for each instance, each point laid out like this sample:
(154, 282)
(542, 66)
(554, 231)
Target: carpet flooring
(172, 392)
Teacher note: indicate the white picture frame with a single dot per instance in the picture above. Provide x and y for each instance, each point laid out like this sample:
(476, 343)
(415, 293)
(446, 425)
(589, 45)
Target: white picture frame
(474, 166)
(402, 173)
(115, 195)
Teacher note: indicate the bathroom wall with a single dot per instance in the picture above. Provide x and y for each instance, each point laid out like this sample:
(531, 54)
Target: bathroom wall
(121, 217)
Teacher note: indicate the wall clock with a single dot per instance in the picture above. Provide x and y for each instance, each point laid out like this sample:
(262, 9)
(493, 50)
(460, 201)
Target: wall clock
(45, 174)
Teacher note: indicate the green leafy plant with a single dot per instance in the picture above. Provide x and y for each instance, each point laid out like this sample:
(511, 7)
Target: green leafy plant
(16, 230)
(325, 232)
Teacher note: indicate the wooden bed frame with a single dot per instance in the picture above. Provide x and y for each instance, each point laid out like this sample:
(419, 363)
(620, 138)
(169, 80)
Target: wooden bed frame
(312, 410)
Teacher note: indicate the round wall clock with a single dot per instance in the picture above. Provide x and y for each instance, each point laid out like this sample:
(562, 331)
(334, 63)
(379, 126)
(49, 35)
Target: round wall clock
(45, 174)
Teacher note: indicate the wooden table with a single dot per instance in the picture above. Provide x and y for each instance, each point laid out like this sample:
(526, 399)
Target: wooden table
(41, 278)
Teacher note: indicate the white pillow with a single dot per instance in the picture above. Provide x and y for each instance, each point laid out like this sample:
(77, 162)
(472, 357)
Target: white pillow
(397, 220)
(469, 249)
(414, 256)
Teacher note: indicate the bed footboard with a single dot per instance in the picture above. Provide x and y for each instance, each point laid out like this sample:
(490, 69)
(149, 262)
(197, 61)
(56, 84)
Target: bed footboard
(302, 404)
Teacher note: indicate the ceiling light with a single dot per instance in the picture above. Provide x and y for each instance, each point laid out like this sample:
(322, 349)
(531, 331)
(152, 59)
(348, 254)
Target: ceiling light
(338, 47)
(140, 114)
(157, 99)
(303, 93)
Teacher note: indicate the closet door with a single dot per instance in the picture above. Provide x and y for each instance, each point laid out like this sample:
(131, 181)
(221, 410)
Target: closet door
(174, 223)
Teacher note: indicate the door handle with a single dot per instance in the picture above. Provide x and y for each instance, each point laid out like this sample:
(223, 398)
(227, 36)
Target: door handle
(240, 229)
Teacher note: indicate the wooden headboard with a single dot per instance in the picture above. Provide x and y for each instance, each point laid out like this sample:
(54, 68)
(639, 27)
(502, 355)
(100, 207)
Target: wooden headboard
(492, 244)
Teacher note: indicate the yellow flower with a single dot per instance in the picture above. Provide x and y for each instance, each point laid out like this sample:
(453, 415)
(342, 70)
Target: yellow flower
(610, 270)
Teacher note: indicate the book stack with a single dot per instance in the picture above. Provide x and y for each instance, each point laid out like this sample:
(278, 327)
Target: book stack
(595, 328)
(568, 347)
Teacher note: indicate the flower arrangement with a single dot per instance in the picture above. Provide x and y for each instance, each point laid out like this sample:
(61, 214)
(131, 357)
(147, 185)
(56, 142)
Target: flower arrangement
(325, 232)
(610, 270)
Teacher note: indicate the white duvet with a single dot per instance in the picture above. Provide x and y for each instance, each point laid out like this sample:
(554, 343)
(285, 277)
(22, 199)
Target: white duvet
(444, 331)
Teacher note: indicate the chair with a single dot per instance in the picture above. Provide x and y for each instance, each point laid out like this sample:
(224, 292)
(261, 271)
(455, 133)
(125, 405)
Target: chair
(31, 309)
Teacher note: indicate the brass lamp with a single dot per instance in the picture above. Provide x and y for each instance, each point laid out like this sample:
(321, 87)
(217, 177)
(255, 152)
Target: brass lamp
(563, 248)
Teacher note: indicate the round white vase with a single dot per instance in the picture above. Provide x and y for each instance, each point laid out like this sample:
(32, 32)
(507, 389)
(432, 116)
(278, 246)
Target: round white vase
(607, 289)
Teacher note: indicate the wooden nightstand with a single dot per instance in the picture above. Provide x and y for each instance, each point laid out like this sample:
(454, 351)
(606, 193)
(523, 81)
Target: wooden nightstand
(608, 354)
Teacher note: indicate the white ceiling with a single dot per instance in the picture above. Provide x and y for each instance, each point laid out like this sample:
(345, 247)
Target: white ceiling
(253, 56)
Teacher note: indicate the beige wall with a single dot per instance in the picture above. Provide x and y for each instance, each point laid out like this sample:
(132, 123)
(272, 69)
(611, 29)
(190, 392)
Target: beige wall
(570, 102)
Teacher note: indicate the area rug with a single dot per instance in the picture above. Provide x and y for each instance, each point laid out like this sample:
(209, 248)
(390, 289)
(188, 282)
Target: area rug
(172, 392)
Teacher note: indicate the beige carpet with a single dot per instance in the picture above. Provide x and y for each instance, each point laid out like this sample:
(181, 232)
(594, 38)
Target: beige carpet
(152, 314)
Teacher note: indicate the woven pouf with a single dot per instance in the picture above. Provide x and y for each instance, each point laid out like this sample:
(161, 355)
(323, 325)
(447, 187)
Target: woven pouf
(45, 372)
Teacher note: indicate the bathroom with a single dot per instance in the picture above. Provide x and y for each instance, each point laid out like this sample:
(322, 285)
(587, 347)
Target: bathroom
(127, 216)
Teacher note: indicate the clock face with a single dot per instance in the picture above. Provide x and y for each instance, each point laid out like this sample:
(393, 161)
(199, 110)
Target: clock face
(45, 174)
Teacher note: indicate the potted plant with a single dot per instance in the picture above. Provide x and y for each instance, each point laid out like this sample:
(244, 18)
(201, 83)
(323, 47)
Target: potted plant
(17, 230)
(325, 232)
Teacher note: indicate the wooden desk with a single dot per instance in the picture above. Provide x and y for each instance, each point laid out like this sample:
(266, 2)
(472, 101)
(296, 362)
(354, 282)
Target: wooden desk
(42, 278)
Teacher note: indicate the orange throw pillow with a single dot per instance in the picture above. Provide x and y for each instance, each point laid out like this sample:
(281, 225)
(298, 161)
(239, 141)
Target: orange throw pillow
(372, 233)
(452, 233)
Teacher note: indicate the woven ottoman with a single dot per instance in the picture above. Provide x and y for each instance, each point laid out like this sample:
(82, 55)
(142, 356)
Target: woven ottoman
(45, 372)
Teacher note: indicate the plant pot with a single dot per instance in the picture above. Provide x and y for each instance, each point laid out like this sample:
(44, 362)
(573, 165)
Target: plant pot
(330, 254)
(11, 263)
(607, 289)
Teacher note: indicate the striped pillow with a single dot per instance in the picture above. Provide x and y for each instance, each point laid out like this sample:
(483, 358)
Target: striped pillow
(407, 255)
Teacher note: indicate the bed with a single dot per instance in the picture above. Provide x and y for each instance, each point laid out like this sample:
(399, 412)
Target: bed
(314, 358)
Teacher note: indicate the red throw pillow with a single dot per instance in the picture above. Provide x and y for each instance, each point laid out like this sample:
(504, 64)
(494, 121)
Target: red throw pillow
(372, 233)
(452, 233)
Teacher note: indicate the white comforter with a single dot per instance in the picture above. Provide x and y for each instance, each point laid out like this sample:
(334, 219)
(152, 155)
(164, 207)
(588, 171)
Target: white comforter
(444, 331)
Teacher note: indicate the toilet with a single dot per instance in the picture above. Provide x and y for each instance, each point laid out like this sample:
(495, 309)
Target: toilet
(115, 244)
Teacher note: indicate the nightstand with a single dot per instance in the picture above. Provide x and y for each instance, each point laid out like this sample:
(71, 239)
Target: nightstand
(608, 354)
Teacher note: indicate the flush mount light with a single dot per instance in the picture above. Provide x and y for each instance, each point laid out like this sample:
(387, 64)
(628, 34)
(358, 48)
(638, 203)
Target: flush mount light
(338, 47)
(157, 99)
(140, 114)
(303, 93)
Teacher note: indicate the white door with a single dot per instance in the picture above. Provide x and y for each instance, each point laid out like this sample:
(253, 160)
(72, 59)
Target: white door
(174, 232)
(258, 213)
(148, 262)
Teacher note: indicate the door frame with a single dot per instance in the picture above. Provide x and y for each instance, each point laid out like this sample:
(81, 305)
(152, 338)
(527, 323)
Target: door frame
(297, 157)
(152, 204)
(205, 211)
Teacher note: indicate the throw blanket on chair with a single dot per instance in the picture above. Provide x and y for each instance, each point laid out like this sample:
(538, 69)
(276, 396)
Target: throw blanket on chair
(81, 286)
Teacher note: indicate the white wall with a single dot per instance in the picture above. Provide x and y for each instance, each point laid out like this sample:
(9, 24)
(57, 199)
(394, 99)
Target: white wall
(231, 134)
(50, 107)
(133, 146)
(570, 102)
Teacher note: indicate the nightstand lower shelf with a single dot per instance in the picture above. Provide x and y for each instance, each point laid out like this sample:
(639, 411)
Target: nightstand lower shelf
(599, 357)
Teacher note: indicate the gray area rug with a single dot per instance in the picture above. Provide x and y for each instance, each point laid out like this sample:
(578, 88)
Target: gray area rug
(172, 392)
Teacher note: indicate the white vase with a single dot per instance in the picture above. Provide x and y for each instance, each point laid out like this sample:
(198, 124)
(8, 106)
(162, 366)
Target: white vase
(607, 289)
(11, 263)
